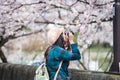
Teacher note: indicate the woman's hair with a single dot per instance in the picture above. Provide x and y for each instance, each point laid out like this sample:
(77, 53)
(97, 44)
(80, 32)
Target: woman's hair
(59, 42)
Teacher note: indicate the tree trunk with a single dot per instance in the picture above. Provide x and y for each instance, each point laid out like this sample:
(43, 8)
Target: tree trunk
(2, 56)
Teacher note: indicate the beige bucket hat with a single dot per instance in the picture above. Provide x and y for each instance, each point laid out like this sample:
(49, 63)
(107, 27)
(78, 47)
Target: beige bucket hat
(53, 34)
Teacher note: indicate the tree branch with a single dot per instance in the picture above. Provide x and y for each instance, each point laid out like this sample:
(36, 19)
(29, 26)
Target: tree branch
(63, 24)
(26, 34)
(105, 59)
(77, 16)
(34, 3)
(84, 1)
(82, 65)
(104, 3)
(103, 20)
(14, 36)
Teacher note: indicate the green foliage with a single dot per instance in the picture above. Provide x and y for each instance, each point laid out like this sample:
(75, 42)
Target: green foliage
(98, 52)
(75, 36)
(99, 47)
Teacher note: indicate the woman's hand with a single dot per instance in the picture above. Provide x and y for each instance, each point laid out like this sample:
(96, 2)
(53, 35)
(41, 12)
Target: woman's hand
(71, 38)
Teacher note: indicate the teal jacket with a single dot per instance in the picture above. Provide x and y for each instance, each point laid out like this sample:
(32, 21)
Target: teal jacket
(56, 55)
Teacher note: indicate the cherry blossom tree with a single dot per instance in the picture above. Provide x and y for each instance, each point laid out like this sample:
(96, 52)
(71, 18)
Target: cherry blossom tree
(91, 19)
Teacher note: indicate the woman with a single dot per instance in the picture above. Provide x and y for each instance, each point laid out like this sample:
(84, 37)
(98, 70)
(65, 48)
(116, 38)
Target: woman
(60, 50)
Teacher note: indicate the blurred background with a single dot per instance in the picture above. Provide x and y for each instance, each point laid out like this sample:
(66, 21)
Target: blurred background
(24, 25)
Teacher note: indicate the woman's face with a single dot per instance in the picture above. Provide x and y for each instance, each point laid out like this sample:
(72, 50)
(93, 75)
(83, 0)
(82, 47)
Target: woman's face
(67, 36)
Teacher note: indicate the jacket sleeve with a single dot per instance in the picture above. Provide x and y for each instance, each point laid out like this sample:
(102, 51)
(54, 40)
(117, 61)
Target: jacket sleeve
(67, 55)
